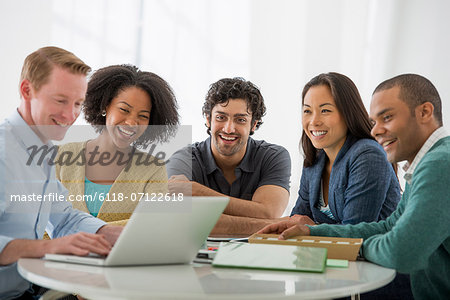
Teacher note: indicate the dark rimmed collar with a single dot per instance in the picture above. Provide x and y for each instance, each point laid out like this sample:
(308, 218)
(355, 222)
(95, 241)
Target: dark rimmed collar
(245, 165)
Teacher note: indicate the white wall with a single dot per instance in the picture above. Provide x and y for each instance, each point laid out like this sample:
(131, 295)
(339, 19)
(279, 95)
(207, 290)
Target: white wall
(369, 41)
(277, 44)
(24, 27)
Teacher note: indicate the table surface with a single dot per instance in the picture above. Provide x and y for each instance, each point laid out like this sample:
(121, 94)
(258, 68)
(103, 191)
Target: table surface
(201, 281)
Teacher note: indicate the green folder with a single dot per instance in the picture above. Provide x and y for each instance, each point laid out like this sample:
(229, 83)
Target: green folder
(271, 257)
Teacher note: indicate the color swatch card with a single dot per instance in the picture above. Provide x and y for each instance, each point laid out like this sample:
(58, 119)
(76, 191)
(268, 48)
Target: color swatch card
(338, 248)
(272, 257)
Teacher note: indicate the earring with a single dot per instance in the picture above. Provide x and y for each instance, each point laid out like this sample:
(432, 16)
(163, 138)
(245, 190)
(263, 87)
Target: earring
(104, 113)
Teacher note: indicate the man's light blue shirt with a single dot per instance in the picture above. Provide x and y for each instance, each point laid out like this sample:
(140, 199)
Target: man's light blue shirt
(32, 200)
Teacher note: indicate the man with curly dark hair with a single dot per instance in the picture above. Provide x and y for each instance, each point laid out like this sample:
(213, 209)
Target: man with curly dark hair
(254, 174)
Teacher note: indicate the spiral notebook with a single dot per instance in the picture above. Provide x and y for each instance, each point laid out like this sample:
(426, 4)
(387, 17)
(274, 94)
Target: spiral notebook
(271, 257)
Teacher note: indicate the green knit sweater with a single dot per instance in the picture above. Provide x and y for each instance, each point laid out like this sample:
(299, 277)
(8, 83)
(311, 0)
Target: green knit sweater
(415, 239)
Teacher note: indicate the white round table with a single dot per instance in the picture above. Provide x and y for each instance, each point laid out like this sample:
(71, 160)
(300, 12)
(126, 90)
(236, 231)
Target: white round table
(198, 281)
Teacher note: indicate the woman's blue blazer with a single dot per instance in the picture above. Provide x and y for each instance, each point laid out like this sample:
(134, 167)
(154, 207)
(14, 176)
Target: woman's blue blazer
(363, 185)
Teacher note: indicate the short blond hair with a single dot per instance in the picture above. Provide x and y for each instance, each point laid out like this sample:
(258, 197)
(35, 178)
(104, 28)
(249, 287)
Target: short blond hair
(39, 64)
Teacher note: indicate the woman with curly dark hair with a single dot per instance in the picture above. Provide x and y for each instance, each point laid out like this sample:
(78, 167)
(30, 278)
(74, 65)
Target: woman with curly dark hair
(110, 172)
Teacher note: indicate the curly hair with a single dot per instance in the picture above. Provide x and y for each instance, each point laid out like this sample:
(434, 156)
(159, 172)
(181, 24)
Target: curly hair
(106, 83)
(225, 89)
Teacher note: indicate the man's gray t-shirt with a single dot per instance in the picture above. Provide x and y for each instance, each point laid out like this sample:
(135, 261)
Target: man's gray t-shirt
(263, 164)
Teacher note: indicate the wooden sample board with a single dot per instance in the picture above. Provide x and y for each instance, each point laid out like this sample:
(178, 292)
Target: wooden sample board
(338, 248)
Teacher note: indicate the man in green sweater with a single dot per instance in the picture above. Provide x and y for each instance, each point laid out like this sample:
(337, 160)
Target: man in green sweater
(407, 121)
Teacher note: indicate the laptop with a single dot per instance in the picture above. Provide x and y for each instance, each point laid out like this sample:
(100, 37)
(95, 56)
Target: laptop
(155, 238)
